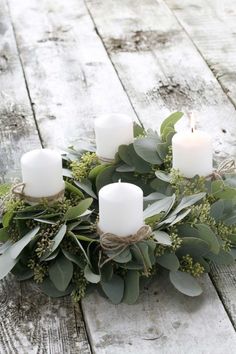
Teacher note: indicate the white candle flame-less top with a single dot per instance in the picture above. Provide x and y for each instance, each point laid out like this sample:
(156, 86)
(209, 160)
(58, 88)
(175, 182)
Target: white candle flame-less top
(112, 131)
(121, 209)
(192, 153)
(42, 173)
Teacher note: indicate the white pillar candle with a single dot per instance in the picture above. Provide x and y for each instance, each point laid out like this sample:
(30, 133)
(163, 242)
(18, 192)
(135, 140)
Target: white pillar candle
(42, 173)
(111, 131)
(121, 209)
(192, 153)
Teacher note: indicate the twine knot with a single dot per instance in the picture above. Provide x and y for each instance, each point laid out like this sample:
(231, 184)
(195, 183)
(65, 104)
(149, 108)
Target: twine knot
(110, 242)
(226, 166)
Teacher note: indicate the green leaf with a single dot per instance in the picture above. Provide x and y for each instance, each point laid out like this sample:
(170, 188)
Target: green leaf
(107, 272)
(96, 171)
(188, 201)
(123, 257)
(131, 292)
(114, 289)
(18, 246)
(206, 234)
(185, 283)
(146, 148)
(22, 272)
(86, 186)
(71, 188)
(4, 234)
(91, 276)
(132, 266)
(141, 254)
(227, 194)
(6, 263)
(49, 289)
(73, 258)
(169, 261)
(56, 242)
(222, 258)
(105, 177)
(52, 256)
(162, 237)
(130, 157)
(163, 205)
(138, 130)
(125, 168)
(60, 272)
(7, 218)
(78, 210)
(193, 246)
(217, 210)
(163, 176)
(170, 121)
(186, 230)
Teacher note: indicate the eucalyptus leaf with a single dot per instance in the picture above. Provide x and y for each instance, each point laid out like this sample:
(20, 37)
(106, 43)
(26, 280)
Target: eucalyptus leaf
(206, 234)
(18, 246)
(163, 205)
(114, 289)
(105, 177)
(91, 276)
(96, 171)
(170, 121)
(122, 257)
(217, 210)
(49, 289)
(71, 188)
(5, 246)
(4, 234)
(6, 263)
(138, 130)
(55, 242)
(53, 255)
(222, 258)
(73, 258)
(107, 272)
(169, 261)
(131, 292)
(86, 186)
(185, 283)
(78, 210)
(146, 148)
(61, 272)
(162, 237)
(188, 201)
(163, 176)
(125, 168)
(7, 218)
(193, 246)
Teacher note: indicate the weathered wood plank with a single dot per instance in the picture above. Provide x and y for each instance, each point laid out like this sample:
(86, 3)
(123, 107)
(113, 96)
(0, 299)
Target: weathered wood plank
(17, 130)
(161, 69)
(29, 321)
(161, 322)
(211, 25)
(68, 72)
(148, 104)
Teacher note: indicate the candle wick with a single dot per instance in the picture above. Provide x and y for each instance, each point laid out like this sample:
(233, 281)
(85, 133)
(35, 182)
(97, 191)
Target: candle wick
(192, 130)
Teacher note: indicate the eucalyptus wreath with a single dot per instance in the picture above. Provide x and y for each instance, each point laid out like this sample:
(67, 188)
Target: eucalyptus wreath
(192, 222)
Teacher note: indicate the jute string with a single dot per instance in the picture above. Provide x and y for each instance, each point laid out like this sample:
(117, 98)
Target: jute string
(105, 160)
(18, 190)
(226, 166)
(117, 244)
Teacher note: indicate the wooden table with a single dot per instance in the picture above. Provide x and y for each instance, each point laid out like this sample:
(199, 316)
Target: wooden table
(64, 62)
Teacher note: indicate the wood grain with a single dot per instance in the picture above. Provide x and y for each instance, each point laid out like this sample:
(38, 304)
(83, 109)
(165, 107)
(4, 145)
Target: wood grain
(17, 132)
(161, 69)
(69, 75)
(211, 25)
(162, 321)
(30, 322)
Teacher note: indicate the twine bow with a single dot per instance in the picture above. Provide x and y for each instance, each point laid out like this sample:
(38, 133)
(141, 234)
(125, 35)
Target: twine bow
(18, 190)
(226, 166)
(114, 244)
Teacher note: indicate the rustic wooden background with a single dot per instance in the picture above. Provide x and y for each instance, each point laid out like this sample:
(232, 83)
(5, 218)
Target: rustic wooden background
(64, 62)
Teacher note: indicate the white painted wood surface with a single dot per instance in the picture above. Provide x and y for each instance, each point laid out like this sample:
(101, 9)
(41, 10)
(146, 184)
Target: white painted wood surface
(162, 322)
(211, 25)
(17, 131)
(161, 69)
(71, 80)
(69, 75)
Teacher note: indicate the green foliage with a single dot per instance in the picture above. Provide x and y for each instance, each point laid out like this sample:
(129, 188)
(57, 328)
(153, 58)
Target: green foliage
(193, 224)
